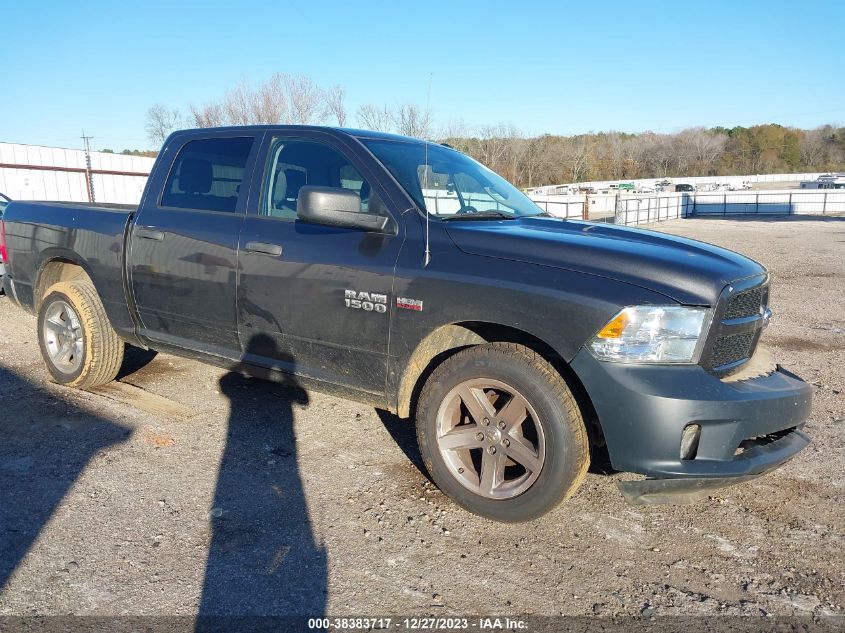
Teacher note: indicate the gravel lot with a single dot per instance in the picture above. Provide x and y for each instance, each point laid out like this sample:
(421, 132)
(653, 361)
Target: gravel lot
(185, 489)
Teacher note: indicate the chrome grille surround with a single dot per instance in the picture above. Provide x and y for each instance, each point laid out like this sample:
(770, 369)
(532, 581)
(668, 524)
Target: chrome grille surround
(738, 321)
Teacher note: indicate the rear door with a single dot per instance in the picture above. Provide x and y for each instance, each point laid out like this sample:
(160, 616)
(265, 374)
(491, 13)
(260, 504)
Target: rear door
(315, 300)
(183, 246)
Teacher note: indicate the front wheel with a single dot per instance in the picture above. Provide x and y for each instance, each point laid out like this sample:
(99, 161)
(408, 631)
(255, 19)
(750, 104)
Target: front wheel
(500, 432)
(78, 343)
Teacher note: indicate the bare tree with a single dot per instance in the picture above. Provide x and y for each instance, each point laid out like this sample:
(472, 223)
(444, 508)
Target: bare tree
(211, 115)
(411, 120)
(281, 99)
(515, 154)
(699, 149)
(237, 104)
(335, 98)
(576, 157)
(535, 147)
(453, 130)
(306, 100)
(813, 147)
(615, 154)
(658, 152)
(373, 117)
(265, 104)
(491, 145)
(270, 104)
(161, 121)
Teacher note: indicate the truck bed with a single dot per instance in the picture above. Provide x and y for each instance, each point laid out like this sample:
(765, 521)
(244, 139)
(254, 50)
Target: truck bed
(96, 233)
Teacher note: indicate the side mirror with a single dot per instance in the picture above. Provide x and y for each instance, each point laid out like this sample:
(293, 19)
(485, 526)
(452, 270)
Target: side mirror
(335, 206)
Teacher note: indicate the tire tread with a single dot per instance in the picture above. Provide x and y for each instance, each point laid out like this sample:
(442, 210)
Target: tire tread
(103, 348)
(516, 353)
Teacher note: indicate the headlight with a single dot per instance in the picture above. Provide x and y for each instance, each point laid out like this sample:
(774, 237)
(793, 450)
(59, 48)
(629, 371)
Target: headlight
(650, 334)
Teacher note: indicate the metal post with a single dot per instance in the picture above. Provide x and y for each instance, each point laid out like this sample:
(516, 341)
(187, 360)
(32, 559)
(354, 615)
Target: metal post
(790, 204)
(725, 204)
(757, 202)
(617, 211)
(89, 181)
(824, 203)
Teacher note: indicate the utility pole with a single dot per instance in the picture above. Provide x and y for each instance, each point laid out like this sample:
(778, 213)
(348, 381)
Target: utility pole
(89, 181)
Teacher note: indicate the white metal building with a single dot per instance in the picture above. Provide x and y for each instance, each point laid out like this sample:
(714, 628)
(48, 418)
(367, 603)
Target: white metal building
(33, 172)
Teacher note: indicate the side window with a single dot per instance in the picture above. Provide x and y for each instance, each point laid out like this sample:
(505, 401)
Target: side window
(207, 174)
(294, 164)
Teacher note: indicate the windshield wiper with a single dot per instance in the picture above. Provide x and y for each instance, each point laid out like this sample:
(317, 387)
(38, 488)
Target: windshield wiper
(480, 215)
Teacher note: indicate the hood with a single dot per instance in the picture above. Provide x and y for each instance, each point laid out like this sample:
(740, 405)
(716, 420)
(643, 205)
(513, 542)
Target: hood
(688, 271)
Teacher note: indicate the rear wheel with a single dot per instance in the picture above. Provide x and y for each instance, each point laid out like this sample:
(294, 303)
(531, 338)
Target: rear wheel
(78, 344)
(501, 433)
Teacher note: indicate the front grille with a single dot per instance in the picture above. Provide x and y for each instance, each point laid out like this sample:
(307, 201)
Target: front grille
(745, 304)
(732, 348)
(738, 320)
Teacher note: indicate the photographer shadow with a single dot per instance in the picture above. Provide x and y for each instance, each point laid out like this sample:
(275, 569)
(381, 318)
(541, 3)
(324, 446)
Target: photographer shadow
(263, 559)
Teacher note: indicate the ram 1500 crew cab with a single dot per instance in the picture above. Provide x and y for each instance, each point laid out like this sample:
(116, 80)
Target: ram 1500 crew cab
(406, 275)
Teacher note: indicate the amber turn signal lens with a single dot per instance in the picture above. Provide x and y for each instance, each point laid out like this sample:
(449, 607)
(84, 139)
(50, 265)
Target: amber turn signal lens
(615, 328)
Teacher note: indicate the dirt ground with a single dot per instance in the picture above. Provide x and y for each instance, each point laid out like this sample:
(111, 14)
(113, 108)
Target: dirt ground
(185, 489)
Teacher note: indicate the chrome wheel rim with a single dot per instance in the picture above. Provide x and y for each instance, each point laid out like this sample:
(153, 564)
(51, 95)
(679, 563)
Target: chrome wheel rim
(490, 438)
(62, 333)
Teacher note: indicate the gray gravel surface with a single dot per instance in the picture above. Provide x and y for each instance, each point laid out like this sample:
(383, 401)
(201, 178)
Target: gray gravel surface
(183, 488)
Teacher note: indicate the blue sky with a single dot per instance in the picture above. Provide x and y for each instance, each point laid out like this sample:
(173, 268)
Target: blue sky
(554, 67)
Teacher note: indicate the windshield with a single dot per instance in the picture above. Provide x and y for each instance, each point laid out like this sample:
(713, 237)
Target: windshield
(449, 184)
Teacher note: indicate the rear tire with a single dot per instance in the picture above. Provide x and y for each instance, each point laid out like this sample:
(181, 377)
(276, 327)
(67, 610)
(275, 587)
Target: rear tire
(77, 341)
(501, 434)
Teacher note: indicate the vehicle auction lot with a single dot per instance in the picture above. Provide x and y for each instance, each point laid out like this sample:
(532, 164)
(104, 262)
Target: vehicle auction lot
(183, 488)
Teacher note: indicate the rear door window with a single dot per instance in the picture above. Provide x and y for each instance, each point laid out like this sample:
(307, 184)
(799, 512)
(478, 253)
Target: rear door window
(207, 175)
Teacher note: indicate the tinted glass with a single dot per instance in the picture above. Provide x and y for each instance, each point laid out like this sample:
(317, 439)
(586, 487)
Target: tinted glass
(207, 174)
(294, 164)
(445, 182)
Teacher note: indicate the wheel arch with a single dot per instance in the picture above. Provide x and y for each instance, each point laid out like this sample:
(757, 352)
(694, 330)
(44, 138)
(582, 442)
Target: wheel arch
(448, 340)
(56, 268)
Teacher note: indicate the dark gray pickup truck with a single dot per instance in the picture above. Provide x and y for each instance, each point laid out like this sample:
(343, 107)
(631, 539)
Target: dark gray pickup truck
(405, 275)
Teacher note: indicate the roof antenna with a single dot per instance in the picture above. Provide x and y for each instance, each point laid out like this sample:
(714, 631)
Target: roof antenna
(427, 258)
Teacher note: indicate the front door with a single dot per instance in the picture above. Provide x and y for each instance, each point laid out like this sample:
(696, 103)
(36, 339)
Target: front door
(183, 247)
(315, 300)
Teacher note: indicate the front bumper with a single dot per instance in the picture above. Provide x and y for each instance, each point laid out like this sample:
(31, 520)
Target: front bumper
(748, 427)
(2, 275)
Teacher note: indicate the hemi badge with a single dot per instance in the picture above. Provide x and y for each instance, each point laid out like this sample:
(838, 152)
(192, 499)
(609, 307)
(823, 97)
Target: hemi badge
(409, 304)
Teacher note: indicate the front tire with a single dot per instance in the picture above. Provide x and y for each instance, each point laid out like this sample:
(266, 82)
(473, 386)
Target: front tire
(77, 341)
(501, 434)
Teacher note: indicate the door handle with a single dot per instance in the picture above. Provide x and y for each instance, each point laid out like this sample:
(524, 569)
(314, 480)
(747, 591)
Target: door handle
(149, 234)
(266, 249)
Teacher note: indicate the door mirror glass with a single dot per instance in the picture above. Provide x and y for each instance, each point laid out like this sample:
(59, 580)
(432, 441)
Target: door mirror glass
(336, 206)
